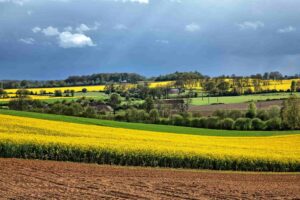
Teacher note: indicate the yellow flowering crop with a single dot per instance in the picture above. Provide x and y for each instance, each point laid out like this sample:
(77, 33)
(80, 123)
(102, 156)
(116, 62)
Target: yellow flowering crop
(143, 146)
(160, 84)
(52, 90)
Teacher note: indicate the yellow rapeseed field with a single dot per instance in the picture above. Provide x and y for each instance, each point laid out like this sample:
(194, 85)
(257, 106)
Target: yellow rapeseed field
(161, 84)
(52, 90)
(248, 84)
(278, 149)
(33, 97)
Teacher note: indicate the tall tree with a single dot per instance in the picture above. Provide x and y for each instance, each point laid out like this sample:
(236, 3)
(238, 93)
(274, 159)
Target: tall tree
(223, 87)
(148, 104)
(290, 113)
(252, 110)
(293, 86)
(114, 101)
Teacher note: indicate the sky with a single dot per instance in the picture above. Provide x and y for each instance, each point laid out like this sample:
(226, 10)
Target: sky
(53, 39)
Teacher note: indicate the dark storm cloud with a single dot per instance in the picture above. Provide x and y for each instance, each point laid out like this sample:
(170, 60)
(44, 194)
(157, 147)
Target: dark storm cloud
(148, 37)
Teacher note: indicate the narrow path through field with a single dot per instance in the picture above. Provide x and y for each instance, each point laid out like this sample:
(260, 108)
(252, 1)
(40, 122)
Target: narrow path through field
(28, 179)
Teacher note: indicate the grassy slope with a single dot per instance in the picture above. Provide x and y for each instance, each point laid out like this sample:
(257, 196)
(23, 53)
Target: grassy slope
(147, 127)
(239, 99)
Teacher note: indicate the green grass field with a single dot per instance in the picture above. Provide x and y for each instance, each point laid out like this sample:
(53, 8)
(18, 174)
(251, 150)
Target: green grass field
(146, 127)
(238, 99)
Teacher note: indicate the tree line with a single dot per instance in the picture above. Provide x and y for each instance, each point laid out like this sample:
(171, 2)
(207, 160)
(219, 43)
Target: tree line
(159, 112)
(106, 78)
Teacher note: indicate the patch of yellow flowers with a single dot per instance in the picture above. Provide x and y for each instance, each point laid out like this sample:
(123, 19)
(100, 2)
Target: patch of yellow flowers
(33, 97)
(21, 131)
(52, 90)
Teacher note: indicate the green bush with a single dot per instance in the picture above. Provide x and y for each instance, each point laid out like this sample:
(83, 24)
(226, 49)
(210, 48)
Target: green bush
(89, 112)
(212, 122)
(154, 116)
(220, 113)
(177, 120)
(226, 123)
(142, 116)
(258, 124)
(242, 124)
(274, 112)
(57, 93)
(131, 115)
(164, 121)
(263, 115)
(235, 114)
(202, 122)
(120, 117)
(274, 124)
(195, 122)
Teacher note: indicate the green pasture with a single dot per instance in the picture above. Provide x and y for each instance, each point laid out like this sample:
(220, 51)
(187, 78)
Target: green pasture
(238, 99)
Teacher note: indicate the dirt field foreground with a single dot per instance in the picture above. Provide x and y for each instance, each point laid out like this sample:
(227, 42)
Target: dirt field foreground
(27, 179)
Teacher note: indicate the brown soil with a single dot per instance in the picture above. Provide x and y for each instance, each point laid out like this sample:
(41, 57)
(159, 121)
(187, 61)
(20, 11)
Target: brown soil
(28, 179)
(209, 109)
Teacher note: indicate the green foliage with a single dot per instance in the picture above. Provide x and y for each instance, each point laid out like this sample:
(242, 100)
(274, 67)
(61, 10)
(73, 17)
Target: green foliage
(210, 87)
(114, 101)
(220, 113)
(212, 122)
(148, 104)
(22, 93)
(252, 110)
(226, 124)
(3, 93)
(263, 115)
(291, 113)
(131, 115)
(84, 90)
(142, 116)
(274, 112)
(89, 112)
(258, 124)
(273, 124)
(223, 87)
(293, 86)
(24, 104)
(177, 120)
(75, 109)
(58, 93)
(242, 124)
(235, 114)
(154, 116)
(180, 76)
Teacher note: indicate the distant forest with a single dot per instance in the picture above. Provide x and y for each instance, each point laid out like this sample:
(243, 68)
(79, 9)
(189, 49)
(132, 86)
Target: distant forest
(106, 78)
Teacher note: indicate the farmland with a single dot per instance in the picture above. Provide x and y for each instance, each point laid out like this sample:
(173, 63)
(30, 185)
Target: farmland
(238, 99)
(146, 127)
(42, 139)
(149, 99)
(66, 180)
(52, 90)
